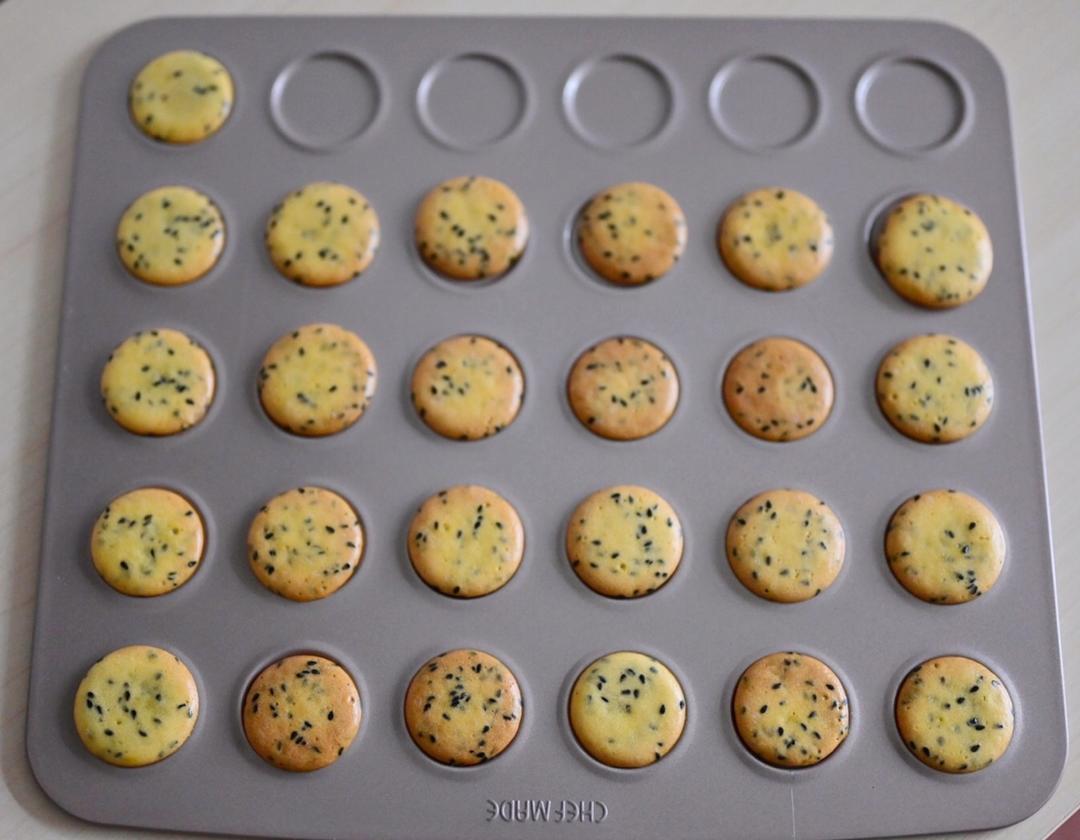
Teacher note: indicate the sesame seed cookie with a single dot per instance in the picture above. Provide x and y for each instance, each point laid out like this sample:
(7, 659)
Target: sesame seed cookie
(790, 710)
(627, 709)
(136, 706)
(954, 714)
(775, 239)
(182, 96)
(302, 712)
(785, 545)
(631, 233)
(305, 544)
(624, 388)
(323, 234)
(317, 380)
(778, 389)
(945, 547)
(158, 382)
(170, 236)
(463, 707)
(471, 228)
(468, 387)
(466, 541)
(934, 252)
(148, 542)
(935, 389)
(624, 541)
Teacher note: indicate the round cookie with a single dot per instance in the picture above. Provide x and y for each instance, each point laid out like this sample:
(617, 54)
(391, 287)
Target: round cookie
(170, 236)
(624, 388)
(466, 541)
(945, 547)
(627, 709)
(778, 389)
(317, 380)
(182, 96)
(954, 714)
(322, 234)
(631, 233)
(934, 252)
(775, 239)
(147, 542)
(305, 544)
(463, 707)
(624, 541)
(158, 382)
(935, 389)
(785, 545)
(302, 712)
(471, 228)
(136, 706)
(790, 710)
(468, 387)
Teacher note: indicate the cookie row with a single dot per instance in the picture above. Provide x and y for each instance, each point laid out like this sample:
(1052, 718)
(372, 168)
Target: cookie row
(319, 379)
(139, 704)
(932, 250)
(626, 541)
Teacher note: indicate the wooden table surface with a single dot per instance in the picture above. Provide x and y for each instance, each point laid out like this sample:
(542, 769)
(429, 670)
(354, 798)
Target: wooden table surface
(44, 47)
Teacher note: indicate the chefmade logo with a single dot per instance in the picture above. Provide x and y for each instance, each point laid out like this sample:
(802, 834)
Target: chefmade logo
(545, 811)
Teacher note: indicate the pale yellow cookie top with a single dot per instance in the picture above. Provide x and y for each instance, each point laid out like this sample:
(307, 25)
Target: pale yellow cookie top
(778, 389)
(775, 239)
(935, 388)
(471, 228)
(463, 707)
(934, 251)
(305, 544)
(624, 541)
(170, 236)
(322, 234)
(631, 233)
(945, 547)
(149, 541)
(627, 709)
(468, 387)
(158, 382)
(624, 388)
(785, 545)
(302, 712)
(317, 380)
(182, 96)
(466, 541)
(136, 706)
(791, 710)
(954, 714)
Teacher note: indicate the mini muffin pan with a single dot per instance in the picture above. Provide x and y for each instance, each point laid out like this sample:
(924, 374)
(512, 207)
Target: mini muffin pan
(854, 114)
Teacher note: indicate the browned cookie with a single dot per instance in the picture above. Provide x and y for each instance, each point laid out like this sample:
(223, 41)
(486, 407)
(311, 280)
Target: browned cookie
(790, 710)
(631, 233)
(463, 707)
(468, 387)
(624, 388)
(471, 228)
(778, 389)
(302, 712)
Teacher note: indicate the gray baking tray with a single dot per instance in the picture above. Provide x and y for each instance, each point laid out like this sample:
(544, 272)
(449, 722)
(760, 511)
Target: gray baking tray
(853, 113)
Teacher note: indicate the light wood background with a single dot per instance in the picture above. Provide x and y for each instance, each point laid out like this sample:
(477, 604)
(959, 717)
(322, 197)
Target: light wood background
(44, 46)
